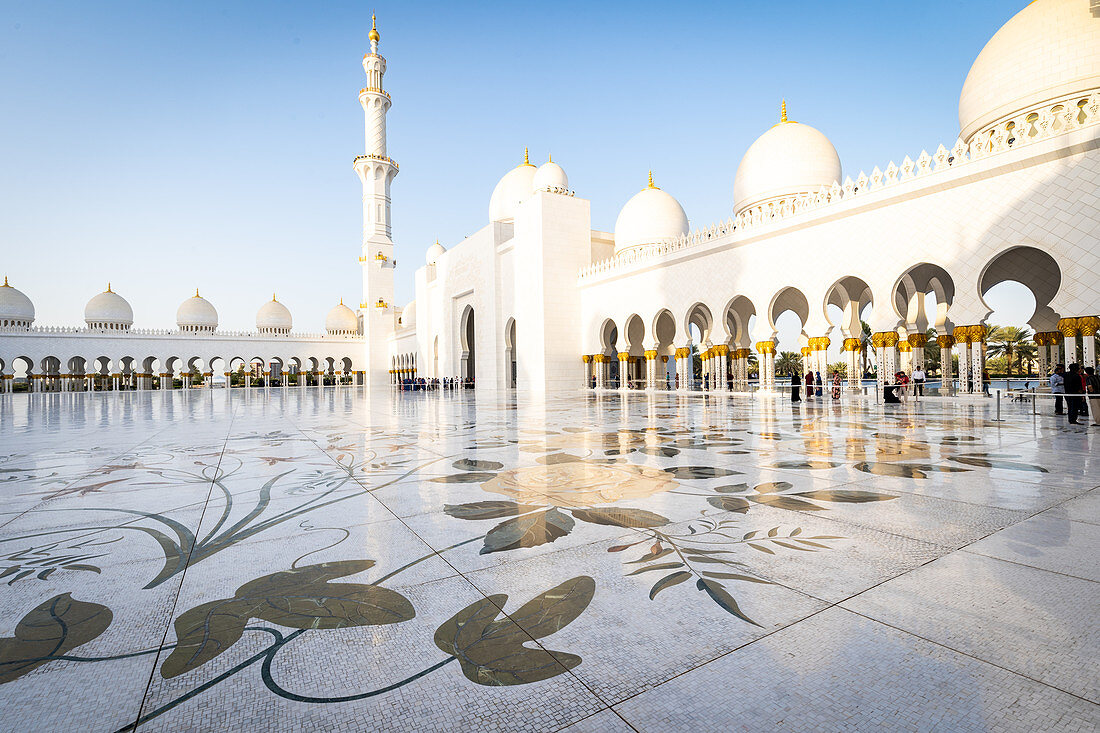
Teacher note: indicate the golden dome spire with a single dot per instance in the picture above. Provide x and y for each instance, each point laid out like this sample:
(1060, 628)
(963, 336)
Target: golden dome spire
(341, 300)
(549, 158)
(196, 292)
(651, 180)
(6, 282)
(109, 287)
(373, 29)
(783, 111)
(273, 297)
(526, 158)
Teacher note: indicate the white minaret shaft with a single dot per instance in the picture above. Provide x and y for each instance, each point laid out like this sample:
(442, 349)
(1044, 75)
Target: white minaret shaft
(376, 171)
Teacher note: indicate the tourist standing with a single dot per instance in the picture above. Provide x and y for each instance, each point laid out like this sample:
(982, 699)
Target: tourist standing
(836, 385)
(795, 387)
(1058, 386)
(1092, 387)
(1075, 387)
(918, 381)
(817, 393)
(809, 385)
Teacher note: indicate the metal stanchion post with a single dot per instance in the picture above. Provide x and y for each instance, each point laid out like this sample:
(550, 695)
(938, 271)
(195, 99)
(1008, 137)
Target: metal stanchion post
(998, 418)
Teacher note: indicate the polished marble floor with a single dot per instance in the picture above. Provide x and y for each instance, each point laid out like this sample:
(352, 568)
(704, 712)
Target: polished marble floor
(334, 560)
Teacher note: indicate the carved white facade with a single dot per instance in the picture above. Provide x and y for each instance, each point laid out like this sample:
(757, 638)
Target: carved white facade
(540, 300)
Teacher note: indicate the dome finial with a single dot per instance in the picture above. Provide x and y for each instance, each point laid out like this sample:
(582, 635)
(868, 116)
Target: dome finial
(341, 300)
(6, 282)
(374, 37)
(526, 158)
(273, 297)
(651, 180)
(549, 158)
(783, 111)
(196, 292)
(109, 287)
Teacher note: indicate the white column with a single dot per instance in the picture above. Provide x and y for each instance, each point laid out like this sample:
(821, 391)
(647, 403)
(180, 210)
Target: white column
(965, 373)
(1042, 357)
(947, 369)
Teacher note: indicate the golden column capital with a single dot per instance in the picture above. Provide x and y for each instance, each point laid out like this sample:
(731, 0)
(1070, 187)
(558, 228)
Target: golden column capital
(904, 347)
(851, 344)
(917, 339)
(807, 350)
(1088, 325)
(650, 354)
(586, 358)
(945, 341)
(722, 349)
(765, 347)
(820, 343)
(1067, 327)
(961, 334)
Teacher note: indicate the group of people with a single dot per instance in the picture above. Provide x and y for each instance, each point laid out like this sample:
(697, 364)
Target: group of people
(417, 384)
(1075, 386)
(813, 386)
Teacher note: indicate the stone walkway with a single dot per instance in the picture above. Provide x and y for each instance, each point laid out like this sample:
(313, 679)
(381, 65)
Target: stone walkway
(331, 560)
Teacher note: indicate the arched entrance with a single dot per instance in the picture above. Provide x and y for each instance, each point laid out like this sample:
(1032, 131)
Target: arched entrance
(510, 352)
(466, 332)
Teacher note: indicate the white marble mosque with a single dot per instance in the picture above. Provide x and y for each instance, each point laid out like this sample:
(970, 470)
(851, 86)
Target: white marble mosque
(538, 299)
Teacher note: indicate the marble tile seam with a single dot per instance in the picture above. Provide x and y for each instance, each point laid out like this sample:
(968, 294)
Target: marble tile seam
(179, 586)
(1025, 565)
(98, 468)
(960, 652)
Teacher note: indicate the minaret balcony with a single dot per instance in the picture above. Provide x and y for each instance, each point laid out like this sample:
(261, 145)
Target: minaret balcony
(375, 90)
(380, 158)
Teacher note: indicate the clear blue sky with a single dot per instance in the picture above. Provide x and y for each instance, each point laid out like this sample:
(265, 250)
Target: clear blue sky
(164, 146)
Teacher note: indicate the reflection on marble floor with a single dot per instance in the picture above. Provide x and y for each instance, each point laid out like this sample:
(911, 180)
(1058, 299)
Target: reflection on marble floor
(201, 560)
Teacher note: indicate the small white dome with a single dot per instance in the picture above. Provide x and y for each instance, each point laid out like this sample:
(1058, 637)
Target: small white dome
(109, 311)
(196, 314)
(1047, 51)
(341, 320)
(649, 217)
(434, 253)
(16, 309)
(273, 317)
(550, 176)
(408, 315)
(789, 159)
(513, 189)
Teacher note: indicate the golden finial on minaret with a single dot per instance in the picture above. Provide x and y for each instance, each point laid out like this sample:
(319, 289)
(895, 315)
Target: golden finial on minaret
(341, 300)
(373, 29)
(273, 297)
(549, 158)
(651, 180)
(108, 287)
(783, 111)
(526, 157)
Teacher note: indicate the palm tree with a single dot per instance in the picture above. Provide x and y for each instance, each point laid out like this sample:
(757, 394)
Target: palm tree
(788, 363)
(864, 345)
(1010, 342)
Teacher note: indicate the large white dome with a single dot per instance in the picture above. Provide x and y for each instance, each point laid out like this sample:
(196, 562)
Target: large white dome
(109, 311)
(649, 217)
(434, 252)
(1047, 51)
(550, 176)
(197, 314)
(516, 187)
(789, 159)
(408, 315)
(273, 317)
(341, 320)
(16, 309)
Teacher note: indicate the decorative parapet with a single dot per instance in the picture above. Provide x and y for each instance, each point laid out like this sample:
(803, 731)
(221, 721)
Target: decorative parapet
(142, 332)
(1042, 123)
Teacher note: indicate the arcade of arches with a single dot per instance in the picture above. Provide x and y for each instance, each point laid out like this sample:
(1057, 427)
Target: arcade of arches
(720, 354)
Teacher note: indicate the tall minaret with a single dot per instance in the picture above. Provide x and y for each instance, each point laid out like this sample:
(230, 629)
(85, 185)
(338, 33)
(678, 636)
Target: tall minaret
(376, 171)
